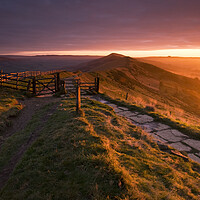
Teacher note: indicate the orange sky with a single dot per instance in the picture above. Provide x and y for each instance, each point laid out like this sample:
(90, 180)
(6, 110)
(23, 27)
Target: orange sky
(166, 52)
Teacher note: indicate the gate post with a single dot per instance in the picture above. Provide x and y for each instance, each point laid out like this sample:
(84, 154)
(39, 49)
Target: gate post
(97, 84)
(78, 97)
(34, 85)
(58, 82)
(1, 78)
(17, 81)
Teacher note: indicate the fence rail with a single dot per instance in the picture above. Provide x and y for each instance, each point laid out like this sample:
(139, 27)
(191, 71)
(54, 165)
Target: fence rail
(85, 87)
(35, 84)
(32, 81)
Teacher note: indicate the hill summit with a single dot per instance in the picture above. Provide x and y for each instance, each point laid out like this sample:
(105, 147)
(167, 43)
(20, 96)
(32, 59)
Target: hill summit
(145, 80)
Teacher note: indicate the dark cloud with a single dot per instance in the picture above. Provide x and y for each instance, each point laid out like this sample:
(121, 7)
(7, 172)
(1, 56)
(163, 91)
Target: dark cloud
(37, 25)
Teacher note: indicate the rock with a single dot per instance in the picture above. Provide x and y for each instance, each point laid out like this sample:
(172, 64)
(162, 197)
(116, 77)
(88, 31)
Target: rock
(147, 128)
(181, 147)
(169, 136)
(103, 101)
(193, 157)
(193, 143)
(198, 154)
(123, 108)
(142, 119)
(161, 126)
(126, 113)
(112, 105)
(159, 138)
(178, 133)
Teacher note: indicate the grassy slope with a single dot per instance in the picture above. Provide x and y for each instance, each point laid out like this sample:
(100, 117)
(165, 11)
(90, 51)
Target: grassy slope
(9, 106)
(98, 155)
(172, 96)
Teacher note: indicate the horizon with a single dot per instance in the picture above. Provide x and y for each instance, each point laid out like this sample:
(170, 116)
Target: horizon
(185, 53)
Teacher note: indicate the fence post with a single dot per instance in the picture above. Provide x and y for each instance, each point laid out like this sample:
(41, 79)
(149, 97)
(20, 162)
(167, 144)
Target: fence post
(57, 82)
(97, 84)
(17, 81)
(6, 78)
(28, 86)
(78, 97)
(1, 78)
(34, 85)
(127, 96)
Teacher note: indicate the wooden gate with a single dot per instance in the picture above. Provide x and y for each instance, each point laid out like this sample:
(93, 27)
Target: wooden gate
(45, 86)
(35, 85)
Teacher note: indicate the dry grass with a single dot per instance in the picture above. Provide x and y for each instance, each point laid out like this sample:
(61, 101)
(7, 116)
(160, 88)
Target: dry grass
(98, 156)
(9, 106)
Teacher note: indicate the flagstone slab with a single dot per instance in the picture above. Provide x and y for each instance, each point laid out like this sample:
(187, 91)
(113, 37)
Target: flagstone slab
(112, 105)
(161, 127)
(142, 119)
(157, 138)
(147, 128)
(198, 154)
(193, 143)
(181, 147)
(123, 108)
(156, 126)
(178, 133)
(103, 101)
(127, 113)
(117, 110)
(193, 157)
(169, 136)
(134, 113)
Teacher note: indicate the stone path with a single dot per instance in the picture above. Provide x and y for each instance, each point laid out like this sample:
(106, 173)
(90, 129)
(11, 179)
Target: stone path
(160, 132)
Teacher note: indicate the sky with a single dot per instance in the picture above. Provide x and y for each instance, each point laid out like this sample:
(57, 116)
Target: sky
(99, 27)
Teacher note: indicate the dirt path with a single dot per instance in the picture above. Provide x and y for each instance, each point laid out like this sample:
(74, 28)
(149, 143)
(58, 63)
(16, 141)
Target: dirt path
(30, 107)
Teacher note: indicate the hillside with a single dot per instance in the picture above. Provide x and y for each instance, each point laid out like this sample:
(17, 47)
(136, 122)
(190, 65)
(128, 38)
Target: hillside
(94, 155)
(189, 67)
(41, 63)
(170, 94)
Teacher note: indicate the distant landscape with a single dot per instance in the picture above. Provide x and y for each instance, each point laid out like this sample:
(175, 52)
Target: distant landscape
(184, 66)
(42, 63)
(189, 67)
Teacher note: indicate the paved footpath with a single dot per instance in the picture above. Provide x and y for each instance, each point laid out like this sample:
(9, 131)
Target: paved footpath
(160, 132)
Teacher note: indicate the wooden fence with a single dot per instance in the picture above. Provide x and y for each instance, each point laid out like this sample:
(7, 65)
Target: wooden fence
(30, 73)
(85, 87)
(34, 84)
(42, 83)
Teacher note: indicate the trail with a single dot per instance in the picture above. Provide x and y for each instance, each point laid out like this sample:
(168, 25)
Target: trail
(31, 106)
(161, 133)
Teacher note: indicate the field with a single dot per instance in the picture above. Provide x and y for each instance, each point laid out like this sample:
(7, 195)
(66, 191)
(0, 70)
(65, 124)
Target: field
(95, 155)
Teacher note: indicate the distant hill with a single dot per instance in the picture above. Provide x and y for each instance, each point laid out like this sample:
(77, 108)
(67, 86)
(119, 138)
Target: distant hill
(121, 74)
(42, 63)
(184, 66)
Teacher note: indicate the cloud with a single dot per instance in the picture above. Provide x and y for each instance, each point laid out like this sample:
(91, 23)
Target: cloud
(98, 25)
